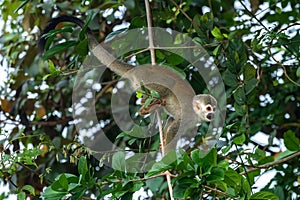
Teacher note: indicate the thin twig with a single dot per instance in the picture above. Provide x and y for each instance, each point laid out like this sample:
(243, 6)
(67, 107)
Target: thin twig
(291, 125)
(133, 180)
(284, 69)
(270, 164)
(104, 89)
(217, 191)
(150, 32)
(160, 128)
(167, 173)
(153, 62)
(182, 11)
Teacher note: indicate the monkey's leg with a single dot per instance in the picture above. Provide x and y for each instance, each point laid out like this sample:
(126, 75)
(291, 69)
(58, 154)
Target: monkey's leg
(170, 132)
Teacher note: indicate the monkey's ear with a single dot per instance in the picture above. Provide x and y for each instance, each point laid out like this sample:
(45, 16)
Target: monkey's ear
(197, 105)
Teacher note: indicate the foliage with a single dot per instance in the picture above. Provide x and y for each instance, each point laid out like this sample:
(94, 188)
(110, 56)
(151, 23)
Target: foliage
(254, 44)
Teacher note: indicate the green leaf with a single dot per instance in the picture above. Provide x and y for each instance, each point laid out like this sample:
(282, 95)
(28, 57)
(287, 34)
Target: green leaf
(63, 181)
(82, 166)
(58, 48)
(240, 109)
(291, 142)
(21, 6)
(137, 132)
(163, 165)
(21, 196)
(259, 154)
(278, 10)
(131, 141)
(179, 191)
(51, 194)
(136, 186)
(185, 162)
(46, 76)
(154, 94)
(197, 156)
(249, 72)
(174, 59)
(82, 34)
(148, 102)
(139, 94)
(232, 178)
(123, 134)
(118, 161)
(246, 188)
(264, 195)
(284, 154)
(82, 47)
(112, 35)
(157, 168)
(217, 33)
(138, 22)
(204, 158)
(154, 183)
(180, 72)
(53, 33)
(240, 139)
(217, 174)
(230, 79)
(239, 96)
(143, 88)
(250, 85)
(298, 72)
(216, 51)
(29, 188)
(52, 68)
(279, 191)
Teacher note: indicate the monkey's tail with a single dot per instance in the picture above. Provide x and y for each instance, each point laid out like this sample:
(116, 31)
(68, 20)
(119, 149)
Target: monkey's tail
(53, 23)
(99, 51)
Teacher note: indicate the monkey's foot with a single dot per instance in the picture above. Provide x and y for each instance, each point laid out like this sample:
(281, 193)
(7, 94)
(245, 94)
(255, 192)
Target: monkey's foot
(167, 173)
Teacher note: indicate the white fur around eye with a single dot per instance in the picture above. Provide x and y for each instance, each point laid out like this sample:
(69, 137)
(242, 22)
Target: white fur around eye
(208, 108)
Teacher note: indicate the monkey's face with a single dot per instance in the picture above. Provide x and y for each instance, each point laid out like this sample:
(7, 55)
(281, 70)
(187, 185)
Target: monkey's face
(204, 106)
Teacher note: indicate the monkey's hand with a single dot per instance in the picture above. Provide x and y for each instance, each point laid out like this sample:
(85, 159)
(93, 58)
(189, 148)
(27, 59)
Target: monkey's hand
(154, 105)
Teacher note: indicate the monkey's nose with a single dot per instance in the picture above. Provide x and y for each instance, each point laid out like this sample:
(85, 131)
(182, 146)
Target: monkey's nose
(210, 116)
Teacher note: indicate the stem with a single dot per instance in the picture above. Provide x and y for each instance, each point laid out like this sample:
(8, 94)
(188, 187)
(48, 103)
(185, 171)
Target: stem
(270, 164)
(150, 32)
(153, 62)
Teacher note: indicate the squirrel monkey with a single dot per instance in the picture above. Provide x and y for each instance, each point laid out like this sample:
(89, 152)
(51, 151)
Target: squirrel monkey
(179, 100)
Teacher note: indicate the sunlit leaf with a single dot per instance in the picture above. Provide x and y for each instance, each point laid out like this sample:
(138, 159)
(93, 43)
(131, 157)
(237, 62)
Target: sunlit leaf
(217, 33)
(264, 195)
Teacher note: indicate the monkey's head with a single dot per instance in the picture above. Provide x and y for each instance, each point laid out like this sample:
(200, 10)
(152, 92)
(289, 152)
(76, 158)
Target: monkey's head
(204, 106)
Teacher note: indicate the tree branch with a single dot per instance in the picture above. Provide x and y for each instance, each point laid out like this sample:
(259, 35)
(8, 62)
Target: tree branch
(150, 32)
(270, 164)
(153, 62)
(217, 191)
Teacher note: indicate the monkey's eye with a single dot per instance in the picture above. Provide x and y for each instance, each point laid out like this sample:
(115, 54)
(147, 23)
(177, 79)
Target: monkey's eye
(209, 108)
